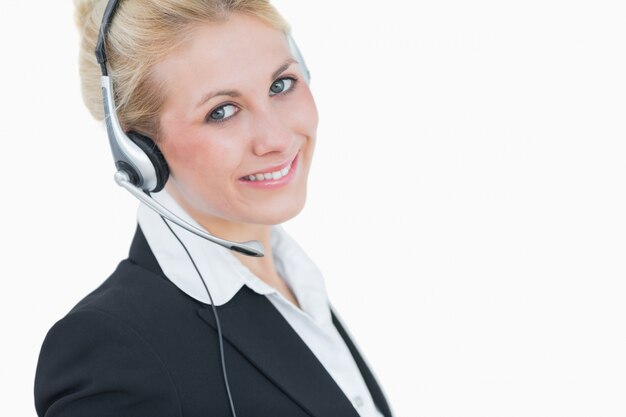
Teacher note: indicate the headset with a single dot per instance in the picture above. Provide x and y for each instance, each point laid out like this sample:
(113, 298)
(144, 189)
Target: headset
(142, 169)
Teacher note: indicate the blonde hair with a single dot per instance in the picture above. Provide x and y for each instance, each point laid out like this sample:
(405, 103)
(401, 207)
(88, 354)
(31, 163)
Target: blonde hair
(142, 33)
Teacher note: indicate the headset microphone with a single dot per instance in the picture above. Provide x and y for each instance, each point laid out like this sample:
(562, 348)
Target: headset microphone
(250, 248)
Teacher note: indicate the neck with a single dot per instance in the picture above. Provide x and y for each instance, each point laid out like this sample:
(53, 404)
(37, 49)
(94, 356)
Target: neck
(263, 267)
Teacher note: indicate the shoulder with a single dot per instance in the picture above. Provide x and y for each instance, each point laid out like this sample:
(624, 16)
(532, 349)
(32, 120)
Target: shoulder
(103, 356)
(93, 363)
(137, 296)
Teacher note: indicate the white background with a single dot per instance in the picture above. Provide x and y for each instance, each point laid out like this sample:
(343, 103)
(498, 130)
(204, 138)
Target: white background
(467, 200)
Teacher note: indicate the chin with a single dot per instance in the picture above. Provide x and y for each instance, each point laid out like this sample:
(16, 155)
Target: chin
(278, 212)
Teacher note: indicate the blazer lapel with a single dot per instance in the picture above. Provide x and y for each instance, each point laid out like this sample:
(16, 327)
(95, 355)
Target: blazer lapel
(254, 327)
(259, 332)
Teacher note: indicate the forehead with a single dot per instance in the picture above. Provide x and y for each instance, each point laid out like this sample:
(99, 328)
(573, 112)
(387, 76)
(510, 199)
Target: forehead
(222, 55)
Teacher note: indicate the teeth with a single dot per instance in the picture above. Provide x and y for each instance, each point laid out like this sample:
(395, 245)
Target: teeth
(269, 175)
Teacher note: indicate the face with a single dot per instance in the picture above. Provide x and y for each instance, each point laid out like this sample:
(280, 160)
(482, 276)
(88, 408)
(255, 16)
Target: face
(238, 125)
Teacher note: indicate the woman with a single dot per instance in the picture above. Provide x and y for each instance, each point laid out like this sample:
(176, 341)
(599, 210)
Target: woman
(184, 327)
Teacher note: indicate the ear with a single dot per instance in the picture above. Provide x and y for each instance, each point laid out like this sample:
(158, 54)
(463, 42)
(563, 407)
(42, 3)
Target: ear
(150, 148)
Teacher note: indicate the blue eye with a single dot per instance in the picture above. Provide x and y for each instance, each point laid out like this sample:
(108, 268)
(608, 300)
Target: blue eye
(222, 113)
(282, 85)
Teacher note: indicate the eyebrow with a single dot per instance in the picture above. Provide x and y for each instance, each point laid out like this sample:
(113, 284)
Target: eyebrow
(234, 93)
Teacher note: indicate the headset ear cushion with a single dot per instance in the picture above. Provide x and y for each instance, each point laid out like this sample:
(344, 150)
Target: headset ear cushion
(156, 157)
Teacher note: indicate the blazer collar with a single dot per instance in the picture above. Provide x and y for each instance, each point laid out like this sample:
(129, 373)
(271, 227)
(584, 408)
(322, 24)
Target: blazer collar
(141, 254)
(253, 326)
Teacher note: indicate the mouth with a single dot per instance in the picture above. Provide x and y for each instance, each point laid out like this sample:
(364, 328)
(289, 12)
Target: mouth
(274, 177)
(274, 174)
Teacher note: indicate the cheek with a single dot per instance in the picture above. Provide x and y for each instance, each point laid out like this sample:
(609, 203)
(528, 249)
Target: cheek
(197, 158)
(308, 117)
(298, 108)
(202, 173)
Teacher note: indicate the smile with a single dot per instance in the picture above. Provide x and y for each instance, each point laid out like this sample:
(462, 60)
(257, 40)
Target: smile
(276, 175)
(273, 175)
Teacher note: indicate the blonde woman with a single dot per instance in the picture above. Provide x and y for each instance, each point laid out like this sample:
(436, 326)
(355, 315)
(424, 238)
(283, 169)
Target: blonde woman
(215, 92)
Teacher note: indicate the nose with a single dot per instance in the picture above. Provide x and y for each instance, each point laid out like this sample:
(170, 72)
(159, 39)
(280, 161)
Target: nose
(271, 133)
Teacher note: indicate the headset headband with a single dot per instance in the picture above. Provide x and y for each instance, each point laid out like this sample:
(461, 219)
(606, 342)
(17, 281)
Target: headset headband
(107, 18)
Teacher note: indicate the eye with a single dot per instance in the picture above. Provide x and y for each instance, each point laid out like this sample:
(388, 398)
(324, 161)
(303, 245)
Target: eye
(282, 85)
(222, 113)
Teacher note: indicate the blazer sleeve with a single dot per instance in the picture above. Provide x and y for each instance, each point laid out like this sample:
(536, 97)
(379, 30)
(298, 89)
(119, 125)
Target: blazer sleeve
(93, 364)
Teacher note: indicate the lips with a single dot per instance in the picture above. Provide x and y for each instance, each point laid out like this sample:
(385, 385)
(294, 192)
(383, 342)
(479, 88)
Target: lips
(272, 174)
(276, 175)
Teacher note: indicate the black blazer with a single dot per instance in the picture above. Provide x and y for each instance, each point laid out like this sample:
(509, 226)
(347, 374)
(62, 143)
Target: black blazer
(139, 347)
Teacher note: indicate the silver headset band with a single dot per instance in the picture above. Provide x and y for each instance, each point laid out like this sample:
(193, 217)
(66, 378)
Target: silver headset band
(123, 149)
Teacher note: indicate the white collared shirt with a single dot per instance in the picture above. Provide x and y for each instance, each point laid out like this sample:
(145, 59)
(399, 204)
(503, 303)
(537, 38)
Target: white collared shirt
(312, 321)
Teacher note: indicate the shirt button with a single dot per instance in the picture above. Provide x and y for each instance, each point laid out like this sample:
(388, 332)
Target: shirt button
(358, 401)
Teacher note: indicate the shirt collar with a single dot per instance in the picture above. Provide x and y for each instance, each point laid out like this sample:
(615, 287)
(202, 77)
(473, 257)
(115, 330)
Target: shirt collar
(223, 273)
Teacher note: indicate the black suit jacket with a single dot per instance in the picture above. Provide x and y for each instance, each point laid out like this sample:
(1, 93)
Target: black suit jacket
(139, 347)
